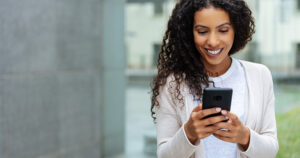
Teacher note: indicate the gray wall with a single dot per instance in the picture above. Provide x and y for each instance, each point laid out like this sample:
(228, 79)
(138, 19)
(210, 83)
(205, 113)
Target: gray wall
(114, 82)
(55, 99)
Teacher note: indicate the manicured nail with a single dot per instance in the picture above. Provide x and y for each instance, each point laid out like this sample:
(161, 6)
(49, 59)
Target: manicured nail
(218, 109)
(224, 112)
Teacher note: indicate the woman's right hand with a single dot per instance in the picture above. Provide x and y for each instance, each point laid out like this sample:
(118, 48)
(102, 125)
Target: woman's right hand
(197, 127)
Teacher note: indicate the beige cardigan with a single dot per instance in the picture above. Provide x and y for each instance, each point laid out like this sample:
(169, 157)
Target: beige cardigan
(259, 118)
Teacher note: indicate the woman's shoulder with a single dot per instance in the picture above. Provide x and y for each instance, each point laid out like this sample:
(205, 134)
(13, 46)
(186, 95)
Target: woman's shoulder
(254, 67)
(257, 72)
(172, 83)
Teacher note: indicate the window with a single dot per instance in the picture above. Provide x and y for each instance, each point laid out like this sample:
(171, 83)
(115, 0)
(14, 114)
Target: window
(158, 8)
(156, 50)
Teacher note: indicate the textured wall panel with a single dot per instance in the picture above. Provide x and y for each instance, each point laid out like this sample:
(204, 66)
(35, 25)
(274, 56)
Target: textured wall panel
(28, 36)
(50, 79)
(78, 34)
(48, 113)
(31, 115)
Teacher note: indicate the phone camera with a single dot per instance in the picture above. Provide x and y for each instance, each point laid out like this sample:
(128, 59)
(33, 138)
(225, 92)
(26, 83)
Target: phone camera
(218, 98)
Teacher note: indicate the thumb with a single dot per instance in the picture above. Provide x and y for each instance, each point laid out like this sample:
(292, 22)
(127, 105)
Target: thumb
(233, 118)
(197, 108)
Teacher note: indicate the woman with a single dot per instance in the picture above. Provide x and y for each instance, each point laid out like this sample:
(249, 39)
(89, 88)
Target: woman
(199, 40)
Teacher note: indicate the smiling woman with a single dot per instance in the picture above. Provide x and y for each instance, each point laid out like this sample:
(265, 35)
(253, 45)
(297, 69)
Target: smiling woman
(214, 39)
(196, 53)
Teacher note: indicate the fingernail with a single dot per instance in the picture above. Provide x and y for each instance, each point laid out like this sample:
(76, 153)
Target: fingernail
(224, 112)
(226, 117)
(218, 109)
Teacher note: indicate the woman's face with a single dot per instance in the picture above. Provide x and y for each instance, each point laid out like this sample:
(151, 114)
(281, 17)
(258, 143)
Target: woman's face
(213, 35)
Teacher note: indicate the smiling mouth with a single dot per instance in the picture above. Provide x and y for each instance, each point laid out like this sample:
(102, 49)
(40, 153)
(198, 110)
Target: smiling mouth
(214, 52)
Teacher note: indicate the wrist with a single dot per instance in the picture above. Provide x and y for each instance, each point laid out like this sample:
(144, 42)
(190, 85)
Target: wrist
(191, 138)
(245, 143)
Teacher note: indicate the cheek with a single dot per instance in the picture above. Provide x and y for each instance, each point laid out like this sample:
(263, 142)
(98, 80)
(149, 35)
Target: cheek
(231, 38)
(228, 41)
(198, 41)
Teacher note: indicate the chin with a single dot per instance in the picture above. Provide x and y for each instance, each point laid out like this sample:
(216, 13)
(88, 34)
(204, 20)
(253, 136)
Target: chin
(214, 62)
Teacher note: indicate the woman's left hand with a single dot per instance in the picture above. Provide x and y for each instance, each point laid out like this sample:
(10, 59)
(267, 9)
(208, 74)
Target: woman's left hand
(236, 132)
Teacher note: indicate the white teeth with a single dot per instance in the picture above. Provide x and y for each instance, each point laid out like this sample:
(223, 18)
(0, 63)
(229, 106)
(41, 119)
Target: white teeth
(214, 51)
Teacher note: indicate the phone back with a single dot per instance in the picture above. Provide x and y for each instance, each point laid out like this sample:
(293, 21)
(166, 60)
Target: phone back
(217, 97)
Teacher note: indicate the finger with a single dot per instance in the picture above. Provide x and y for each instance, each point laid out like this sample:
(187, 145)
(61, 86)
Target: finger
(223, 133)
(197, 108)
(194, 114)
(225, 112)
(203, 113)
(224, 138)
(233, 118)
(213, 120)
(225, 125)
(207, 129)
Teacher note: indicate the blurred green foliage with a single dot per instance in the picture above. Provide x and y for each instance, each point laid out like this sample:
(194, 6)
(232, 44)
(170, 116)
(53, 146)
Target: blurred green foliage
(288, 128)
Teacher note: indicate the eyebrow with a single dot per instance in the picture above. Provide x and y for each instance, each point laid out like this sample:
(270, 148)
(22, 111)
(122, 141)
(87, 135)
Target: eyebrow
(199, 25)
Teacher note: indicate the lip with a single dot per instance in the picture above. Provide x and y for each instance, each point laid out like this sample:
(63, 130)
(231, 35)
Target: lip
(213, 55)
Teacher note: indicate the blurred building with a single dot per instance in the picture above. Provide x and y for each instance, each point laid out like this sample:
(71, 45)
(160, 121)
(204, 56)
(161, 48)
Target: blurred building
(145, 25)
(276, 42)
(278, 34)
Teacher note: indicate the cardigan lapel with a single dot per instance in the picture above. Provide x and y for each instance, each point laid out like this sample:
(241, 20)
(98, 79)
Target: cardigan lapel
(251, 107)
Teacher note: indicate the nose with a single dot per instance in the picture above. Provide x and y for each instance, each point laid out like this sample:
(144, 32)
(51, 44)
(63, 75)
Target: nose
(213, 40)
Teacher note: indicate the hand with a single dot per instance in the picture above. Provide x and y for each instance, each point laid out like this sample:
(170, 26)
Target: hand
(236, 132)
(197, 127)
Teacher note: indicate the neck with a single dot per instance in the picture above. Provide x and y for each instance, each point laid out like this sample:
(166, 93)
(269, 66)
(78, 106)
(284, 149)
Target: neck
(218, 70)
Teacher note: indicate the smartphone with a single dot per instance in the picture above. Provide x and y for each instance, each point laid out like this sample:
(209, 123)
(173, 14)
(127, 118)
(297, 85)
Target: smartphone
(216, 97)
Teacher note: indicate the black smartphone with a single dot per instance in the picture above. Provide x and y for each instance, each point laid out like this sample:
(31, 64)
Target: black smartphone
(216, 97)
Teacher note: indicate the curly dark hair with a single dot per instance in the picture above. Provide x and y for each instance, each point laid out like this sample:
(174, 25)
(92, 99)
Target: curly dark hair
(179, 57)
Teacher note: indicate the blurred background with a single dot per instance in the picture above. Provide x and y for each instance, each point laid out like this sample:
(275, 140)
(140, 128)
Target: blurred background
(75, 75)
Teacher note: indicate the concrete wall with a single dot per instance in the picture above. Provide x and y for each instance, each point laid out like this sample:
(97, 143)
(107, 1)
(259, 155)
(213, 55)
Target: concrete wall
(54, 95)
(113, 72)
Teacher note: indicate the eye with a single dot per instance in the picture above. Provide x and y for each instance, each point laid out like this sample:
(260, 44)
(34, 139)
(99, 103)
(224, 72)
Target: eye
(223, 31)
(202, 32)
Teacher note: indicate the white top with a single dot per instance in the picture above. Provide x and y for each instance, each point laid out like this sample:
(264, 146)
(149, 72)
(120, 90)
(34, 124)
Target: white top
(233, 78)
(259, 117)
